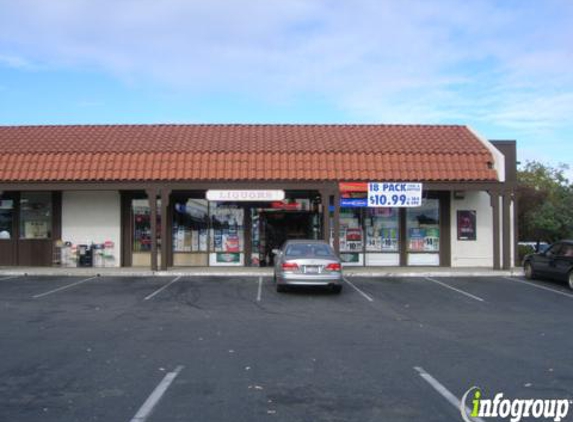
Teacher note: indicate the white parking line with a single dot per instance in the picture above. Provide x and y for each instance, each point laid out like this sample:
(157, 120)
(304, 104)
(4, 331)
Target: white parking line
(63, 287)
(9, 278)
(162, 288)
(368, 298)
(570, 296)
(145, 410)
(444, 392)
(260, 291)
(447, 286)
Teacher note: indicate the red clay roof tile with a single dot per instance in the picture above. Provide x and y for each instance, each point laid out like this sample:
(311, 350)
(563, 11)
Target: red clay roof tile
(242, 152)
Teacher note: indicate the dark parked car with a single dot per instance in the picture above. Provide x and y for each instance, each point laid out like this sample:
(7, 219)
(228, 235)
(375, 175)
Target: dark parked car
(307, 263)
(555, 262)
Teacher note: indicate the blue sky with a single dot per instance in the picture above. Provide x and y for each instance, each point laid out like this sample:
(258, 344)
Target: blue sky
(503, 67)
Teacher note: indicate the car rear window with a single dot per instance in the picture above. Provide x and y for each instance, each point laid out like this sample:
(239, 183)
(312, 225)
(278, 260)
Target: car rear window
(309, 249)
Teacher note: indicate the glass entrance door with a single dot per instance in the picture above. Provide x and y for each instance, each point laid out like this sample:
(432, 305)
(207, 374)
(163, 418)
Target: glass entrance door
(272, 228)
(140, 216)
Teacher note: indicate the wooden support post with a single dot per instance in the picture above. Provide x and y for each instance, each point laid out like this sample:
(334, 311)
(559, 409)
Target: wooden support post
(494, 196)
(166, 239)
(336, 218)
(325, 206)
(506, 230)
(152, 198)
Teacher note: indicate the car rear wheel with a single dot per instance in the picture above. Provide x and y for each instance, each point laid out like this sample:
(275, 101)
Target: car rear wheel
(528, 269)
(570, 279)
(336, 289)
(281, 288)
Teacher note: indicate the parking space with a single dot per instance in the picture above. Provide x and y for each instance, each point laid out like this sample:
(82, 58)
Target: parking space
(228, 349)
(515, 341)
(24, 286)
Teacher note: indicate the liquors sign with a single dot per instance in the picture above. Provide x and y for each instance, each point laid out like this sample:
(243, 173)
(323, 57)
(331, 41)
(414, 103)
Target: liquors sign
(245, 195)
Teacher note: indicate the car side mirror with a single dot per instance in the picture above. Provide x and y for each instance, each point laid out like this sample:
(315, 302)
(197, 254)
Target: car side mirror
(276, 252)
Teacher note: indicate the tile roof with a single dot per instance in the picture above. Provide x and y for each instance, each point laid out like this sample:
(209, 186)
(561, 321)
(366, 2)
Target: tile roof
(243, 152)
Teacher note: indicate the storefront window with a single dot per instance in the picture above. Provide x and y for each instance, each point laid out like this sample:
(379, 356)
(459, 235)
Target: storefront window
(351, 236)
(382, 228)
(36, 215)
(6, 218)
(190, 225)
(141, 220)
(351, 239)
(423, 227)
(227, 231)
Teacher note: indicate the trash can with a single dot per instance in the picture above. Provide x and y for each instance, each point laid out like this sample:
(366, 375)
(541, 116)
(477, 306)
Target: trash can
(85, 256)
(97, 255)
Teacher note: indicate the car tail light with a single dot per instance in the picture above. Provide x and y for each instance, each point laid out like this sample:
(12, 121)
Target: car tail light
(290, 266)
(333, 267)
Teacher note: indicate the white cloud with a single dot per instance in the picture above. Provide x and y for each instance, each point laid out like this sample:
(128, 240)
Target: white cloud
(505, 63)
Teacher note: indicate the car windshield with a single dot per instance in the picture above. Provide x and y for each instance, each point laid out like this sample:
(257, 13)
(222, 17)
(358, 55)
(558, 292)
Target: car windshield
(308, 250)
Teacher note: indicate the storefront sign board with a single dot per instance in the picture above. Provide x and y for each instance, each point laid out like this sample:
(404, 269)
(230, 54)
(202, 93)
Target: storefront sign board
(228, 258)
(350, 258)
(250, 195)
(353, 202)
(353, 187)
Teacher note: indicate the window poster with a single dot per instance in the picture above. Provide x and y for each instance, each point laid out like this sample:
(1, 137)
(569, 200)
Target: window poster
(350, 258)
(416, 239)
(466, 225)
(382, 229)
(36, 230)
(424, 239)
(227, 229)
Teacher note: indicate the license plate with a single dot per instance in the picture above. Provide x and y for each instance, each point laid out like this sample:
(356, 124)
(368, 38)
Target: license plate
(311, 269)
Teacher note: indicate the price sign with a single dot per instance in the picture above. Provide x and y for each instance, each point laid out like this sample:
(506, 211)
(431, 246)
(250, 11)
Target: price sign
(394, 194)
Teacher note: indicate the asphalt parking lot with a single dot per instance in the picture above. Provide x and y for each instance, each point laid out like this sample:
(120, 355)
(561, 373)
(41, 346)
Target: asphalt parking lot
(233, 349)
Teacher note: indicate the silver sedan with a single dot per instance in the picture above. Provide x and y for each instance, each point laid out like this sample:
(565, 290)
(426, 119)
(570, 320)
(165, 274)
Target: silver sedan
(307, 263)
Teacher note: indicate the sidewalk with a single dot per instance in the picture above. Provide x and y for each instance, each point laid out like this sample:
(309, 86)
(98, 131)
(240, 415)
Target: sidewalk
(386, 272)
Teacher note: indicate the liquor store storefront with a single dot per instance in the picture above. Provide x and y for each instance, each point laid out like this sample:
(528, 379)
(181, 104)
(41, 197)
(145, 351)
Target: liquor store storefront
(173, 196)
(241, 227)
(223, 227)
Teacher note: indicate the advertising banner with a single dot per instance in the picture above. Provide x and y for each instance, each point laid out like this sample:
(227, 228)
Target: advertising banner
(394, 194)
